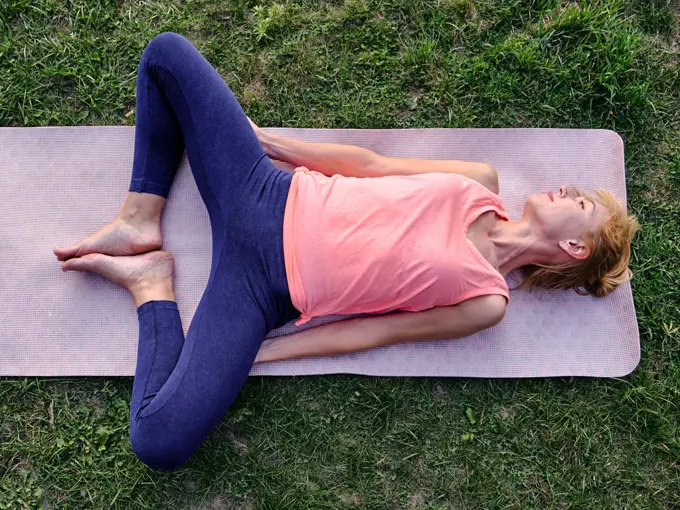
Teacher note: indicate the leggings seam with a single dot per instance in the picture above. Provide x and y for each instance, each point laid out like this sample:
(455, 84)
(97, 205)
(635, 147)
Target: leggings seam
(264, 264)
(179, 384)
(192, 123)
(148, 375)
(148, 113)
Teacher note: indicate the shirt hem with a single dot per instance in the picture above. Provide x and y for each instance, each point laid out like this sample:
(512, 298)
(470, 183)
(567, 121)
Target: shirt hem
(486, 291)
(297, 295)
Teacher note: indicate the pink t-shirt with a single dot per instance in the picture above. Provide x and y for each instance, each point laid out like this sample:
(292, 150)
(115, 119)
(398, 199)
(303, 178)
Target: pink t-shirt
(373, 245)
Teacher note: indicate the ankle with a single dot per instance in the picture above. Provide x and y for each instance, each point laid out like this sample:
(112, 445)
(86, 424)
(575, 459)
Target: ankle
(142, 208)
(143, 293)
(136, 216)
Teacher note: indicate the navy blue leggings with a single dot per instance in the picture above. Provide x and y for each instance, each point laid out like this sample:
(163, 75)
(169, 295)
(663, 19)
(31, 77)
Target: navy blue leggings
(182, 388)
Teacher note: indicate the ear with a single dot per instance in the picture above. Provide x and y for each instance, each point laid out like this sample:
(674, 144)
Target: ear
(575, 248)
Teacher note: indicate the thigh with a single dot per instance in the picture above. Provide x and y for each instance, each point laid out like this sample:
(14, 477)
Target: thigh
(221, 146)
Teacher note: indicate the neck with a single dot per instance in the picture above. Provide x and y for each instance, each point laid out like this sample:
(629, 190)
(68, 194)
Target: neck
(517, 244)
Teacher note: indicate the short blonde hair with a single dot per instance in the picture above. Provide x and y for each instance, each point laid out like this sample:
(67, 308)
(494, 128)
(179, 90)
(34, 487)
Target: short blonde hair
(606, 266)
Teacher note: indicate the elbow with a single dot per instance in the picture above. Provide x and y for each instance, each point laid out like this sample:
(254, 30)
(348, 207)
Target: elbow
(375, 164)
(490, 176)
(497, 311)
(498, 319)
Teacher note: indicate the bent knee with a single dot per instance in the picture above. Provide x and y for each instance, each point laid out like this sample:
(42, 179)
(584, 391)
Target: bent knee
(490, 177)
(165, 42)
(159, 452)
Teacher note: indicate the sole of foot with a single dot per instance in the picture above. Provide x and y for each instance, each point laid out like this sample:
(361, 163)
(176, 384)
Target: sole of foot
(118, 238)
(137, 273)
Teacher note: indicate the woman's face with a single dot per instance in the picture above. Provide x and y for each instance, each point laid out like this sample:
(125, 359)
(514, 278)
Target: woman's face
(563, 214)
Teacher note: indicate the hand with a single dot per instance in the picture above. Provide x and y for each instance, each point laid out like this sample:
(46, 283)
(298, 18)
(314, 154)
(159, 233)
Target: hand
(264, 138)
(256, 128)
(262, 353)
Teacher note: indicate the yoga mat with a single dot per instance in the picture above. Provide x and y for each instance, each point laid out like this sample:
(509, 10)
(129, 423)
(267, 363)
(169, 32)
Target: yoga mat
(59, 184)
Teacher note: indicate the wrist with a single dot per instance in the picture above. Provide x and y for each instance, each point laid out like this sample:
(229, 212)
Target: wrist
(265, 140)
(275, 146)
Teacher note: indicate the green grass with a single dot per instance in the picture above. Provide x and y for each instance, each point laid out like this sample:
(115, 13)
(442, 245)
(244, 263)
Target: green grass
(359, 442)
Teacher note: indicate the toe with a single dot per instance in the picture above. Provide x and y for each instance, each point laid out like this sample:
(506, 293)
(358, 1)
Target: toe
(67, 252)
(74, 264)
(69, 265)
(63, 252)
(85, 263)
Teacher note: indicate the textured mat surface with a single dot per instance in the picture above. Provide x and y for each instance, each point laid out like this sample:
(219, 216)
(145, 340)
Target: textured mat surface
(59, 184)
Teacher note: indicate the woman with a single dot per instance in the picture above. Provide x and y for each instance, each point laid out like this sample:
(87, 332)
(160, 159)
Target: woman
(429, 237)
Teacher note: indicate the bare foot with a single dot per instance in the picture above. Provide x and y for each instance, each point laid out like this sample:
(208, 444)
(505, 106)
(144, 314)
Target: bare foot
(147, 277)
(120, 237)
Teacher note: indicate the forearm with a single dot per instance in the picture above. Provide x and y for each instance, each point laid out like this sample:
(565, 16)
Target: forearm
(342, 337)
(326, 158)
(352, 161)
(359, 334)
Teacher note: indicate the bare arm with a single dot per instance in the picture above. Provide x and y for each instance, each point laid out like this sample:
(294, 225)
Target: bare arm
(363, 333)
(353, 161)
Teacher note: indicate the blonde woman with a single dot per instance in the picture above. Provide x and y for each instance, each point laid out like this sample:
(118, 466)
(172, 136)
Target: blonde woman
(350, 231)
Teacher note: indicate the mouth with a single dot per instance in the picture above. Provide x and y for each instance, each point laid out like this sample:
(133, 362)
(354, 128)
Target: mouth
(551, 196)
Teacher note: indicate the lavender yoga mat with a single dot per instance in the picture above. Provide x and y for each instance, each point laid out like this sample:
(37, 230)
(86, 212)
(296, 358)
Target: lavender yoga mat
(59, 184)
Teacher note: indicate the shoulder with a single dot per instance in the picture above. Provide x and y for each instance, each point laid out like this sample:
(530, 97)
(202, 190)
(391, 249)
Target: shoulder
(483, 173)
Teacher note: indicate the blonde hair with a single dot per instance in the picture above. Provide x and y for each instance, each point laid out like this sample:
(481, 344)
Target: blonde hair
(606, 266)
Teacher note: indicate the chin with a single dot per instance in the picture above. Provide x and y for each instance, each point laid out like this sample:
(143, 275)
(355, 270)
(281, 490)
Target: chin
(530, 206)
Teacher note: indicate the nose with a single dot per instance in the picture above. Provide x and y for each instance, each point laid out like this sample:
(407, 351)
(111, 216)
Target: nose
(563, 191)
